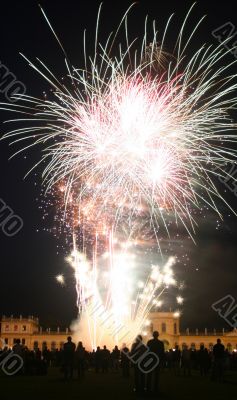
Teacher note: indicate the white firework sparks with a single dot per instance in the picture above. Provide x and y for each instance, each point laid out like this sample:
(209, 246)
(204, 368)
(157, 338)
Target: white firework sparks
(132, 137)
(111, 305)
(137, 135)
(60, 279)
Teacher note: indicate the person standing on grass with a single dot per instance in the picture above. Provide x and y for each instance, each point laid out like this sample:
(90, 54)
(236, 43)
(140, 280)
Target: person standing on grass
(137, 351)
(125, 362)
(186, 360)
(155, 346)
(203, 360)
(98, 360)
(68, 358)
(176, 360)
(219, 358)
(80, 360)
(105, 359)
(18, 349)
(115, 355)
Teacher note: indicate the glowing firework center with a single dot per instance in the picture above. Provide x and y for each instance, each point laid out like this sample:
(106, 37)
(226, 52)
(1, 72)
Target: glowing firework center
(113, 304)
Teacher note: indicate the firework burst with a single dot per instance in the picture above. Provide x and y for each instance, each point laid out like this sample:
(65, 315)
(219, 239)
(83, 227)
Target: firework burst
(137, 136)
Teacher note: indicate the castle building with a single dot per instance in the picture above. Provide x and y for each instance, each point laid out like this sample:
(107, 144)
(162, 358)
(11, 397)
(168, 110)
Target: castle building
(30, 333)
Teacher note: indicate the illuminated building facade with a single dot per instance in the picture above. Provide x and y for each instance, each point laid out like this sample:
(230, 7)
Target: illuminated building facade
(30, 333)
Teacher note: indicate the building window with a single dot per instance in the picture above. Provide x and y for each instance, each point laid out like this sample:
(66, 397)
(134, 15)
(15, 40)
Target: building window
(7, 328)
(23, 341)
(6, 340)
(61, 345)
(184, 345)
(14, 341)
(229, 347)
(24, 328)
(15, 328)
(175, 328)
(210, 346)
(193, 346)
(163, 327)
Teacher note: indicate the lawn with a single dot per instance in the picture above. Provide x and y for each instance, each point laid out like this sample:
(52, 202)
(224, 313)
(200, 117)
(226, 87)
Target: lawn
(112, 386)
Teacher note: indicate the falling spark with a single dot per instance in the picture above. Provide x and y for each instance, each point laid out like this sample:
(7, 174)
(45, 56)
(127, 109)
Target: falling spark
(136, 137)
(60, 279)
(108, 295)
(180, 300)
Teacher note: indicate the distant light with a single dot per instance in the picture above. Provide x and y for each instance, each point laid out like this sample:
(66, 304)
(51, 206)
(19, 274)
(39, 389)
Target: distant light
(60, 279)
(180, 300)
(176, 314)
(140, 285)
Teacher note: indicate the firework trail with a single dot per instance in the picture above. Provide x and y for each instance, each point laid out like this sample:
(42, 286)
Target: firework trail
(113, 305)
(136, 136)
(139, 133)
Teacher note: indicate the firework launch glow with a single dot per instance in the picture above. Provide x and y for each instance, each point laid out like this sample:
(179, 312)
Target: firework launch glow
(139, 133)
(106, 315)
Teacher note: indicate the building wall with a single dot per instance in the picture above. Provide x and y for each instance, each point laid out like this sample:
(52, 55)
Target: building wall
(29, 332)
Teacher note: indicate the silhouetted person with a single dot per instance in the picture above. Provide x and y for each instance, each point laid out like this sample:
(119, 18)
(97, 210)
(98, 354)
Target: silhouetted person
(68, 356)
(203, 359)
(38, 354)
(46, 356)
(219, 357)
(125, 362)
(98, 365)
(80, 360)
(155, 346)
(137, 351)
(105, 358)
(115, 358)
(176, 360)
(18, 348)
(92, 359)
(186, 360)
(169, 357)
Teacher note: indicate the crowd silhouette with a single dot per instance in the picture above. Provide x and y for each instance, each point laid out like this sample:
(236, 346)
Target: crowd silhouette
(75, 361)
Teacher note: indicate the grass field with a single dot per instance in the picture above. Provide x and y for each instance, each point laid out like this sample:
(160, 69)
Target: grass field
(112, 386)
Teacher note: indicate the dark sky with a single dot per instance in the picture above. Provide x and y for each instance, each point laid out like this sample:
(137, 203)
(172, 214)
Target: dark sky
(29, 261)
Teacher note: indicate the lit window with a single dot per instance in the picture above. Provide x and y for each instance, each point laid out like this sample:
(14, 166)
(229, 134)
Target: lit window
(229, 347)
(175, 328)
(24, 328)
(163, 327)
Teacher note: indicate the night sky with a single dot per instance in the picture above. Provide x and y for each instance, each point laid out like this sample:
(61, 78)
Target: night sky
(30, 260)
